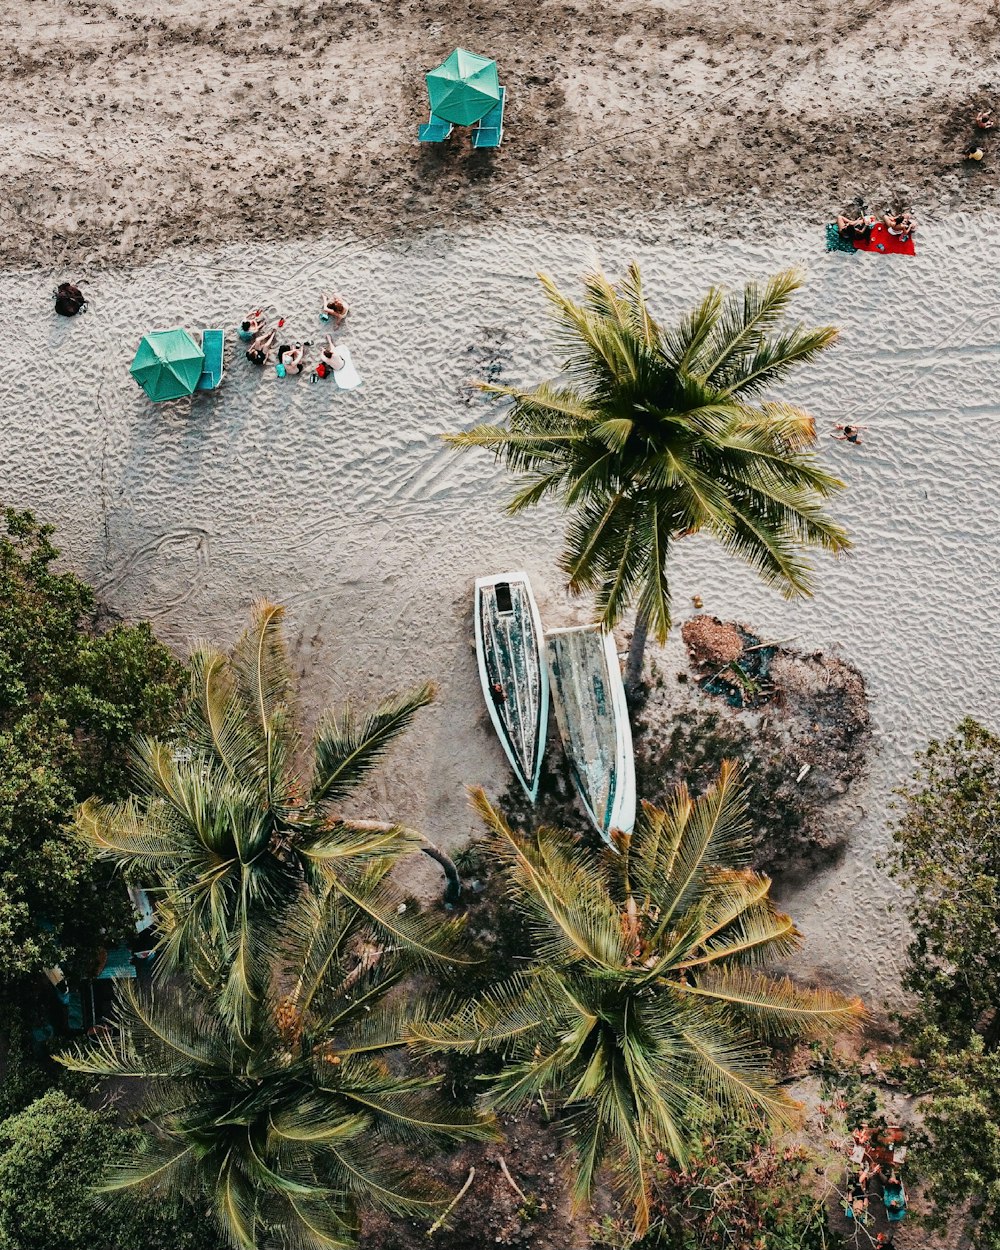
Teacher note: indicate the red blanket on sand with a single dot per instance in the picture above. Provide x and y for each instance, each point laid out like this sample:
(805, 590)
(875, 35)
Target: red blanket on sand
(880, 240)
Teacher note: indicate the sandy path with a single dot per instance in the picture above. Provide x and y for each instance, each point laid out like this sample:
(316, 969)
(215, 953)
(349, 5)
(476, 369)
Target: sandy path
(347, 508)
(129, 129)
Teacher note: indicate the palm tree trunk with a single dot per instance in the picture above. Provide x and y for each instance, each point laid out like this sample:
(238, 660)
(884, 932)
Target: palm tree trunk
(453, 888)
(636, 655)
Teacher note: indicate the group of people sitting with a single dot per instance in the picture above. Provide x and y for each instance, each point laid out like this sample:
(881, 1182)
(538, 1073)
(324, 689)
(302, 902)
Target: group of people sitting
(876, 1150)
(902, 225)
(290, 359)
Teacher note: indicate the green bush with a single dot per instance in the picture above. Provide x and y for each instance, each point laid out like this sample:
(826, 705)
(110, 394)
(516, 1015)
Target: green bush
(740, 1191)
(71, 700)
(51, 1155)
(948, 839)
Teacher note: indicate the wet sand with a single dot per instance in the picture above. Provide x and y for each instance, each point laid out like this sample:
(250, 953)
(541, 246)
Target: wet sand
(347, 507)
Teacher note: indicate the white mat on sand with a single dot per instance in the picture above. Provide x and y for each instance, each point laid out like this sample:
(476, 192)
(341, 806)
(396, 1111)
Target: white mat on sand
(346, 377)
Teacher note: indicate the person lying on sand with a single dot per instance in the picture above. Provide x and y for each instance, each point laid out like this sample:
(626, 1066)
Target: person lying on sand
(259, 351)
(252, 325)
(901, 225)
(334, 306)
(290, 359)
(973, 153)
(851, 435)
(851, 228)
(984, 120)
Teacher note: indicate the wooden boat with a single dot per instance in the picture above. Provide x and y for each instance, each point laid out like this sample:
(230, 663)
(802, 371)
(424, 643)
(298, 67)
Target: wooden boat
(589, 700)
(509, 644)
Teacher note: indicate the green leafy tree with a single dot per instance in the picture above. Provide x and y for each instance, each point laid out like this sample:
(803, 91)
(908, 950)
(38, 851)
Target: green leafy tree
(225, 826)
(71, 698)
(948, 840)
(50, 1155)
(647, 1013)
(285, 1123)
(956, 1150)
(652, 434)
(948, 835)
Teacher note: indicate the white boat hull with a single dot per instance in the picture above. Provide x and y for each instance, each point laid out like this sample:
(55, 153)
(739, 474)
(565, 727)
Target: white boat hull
(510, 651)
(588, 696)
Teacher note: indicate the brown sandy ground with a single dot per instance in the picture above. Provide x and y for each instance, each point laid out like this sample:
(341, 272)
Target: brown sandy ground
(128, 128)
(801, 728)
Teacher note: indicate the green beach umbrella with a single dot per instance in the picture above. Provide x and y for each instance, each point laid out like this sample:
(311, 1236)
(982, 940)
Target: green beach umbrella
(168, 364)
(464, 88)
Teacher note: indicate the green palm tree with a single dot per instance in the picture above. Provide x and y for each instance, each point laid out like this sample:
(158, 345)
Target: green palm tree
(284, 1128)
(652, 434)
(225, 827)
(647, 1011)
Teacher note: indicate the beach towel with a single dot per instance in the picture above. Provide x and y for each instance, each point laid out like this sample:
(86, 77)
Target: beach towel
(346, 377)
(834, 243)
(880, 240)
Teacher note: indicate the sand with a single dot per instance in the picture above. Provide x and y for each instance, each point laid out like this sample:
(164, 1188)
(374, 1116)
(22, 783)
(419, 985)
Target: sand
(127, 129)
(346, 507)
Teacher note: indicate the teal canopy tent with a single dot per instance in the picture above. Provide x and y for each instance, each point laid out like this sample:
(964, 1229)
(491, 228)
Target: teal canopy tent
(464, 88)
(168, 364)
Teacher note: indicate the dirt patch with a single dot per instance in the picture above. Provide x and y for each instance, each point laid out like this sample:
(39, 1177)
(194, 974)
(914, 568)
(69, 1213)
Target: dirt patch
(712, 643)
(492, 1212)
(800, 724)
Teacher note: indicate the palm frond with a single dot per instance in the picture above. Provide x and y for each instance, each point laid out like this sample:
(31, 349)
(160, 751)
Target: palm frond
(562, 884)
(772, 1007)
(412, 1116)
(639, 316)
(383, 1183)
(127, 835)
(732, 1075)
(689, 837)
(743, 320)
(773, 359)
(347, 748)
(505, 1017)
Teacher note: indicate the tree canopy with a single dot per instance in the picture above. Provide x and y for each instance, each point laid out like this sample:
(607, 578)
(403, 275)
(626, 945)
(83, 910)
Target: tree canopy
(71, 698)
(948, 840)
(948, 836)
(647, 1012)
(51, 1155)
(286, 1121)
(229, 833)
(654, 433)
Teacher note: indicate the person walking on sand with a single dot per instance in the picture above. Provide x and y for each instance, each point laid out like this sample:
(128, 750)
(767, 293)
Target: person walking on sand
(850, 434)
(335, 307)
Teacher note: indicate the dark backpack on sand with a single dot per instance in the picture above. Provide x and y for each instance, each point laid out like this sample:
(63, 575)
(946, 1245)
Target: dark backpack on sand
(70, 300)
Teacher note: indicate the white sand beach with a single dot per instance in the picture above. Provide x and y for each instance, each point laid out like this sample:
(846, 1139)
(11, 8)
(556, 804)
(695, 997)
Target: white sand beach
(346, 506)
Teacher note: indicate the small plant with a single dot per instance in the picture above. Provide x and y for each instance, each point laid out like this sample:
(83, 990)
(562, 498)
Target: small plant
(531, 1208)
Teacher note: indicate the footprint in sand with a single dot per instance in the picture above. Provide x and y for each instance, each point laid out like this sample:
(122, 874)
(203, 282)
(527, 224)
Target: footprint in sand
(163, 573)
